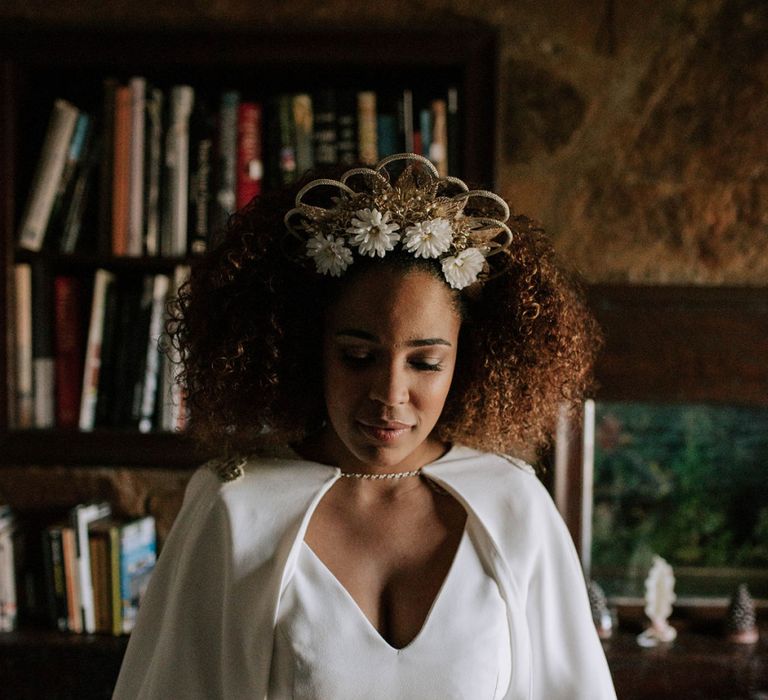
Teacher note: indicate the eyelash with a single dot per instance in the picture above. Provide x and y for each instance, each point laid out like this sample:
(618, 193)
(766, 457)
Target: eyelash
(361, 361)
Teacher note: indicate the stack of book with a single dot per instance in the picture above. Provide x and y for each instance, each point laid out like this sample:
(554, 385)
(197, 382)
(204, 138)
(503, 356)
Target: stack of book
(159, 171)
(103, 369)
(83, 572)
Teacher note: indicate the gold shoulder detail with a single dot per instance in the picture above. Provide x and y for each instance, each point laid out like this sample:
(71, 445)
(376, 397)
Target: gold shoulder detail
(228, 469)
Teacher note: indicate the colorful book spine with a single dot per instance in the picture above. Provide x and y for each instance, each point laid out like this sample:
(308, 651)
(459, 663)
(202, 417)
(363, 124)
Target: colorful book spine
(24, 382)
(438, 151)
(69, 350)
(80, 200)
(226, 155)
(82, 516)
(43, 363)
(135, 243)
(45, 182)
(425, 129)
(153, 168)
(71, 579)
(138, 554)
(367, 142)
(302, 124)
(121, 170)
(250, 167)
(149, 390)
(93, 356)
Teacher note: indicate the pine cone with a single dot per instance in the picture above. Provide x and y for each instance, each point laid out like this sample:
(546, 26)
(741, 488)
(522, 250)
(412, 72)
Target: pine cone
(740, 619)
(600, 613)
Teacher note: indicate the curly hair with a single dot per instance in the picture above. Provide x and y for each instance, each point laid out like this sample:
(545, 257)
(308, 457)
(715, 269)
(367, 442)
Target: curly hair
(248, 326)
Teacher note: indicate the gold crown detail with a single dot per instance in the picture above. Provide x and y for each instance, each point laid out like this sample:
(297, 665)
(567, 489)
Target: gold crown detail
(424, 214)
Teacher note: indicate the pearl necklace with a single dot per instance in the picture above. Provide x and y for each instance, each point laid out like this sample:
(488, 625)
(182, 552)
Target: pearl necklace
(390, 475)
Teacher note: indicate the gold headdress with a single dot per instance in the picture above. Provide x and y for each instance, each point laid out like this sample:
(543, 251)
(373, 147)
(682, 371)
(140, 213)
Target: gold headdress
(426, 215)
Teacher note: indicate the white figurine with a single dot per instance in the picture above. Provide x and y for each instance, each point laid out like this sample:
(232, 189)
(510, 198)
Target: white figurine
(659, 596)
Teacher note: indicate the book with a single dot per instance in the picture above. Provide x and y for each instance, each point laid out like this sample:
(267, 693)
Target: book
(425, 129)
(79, 212)
(106, 390)
(302, 124)
(100, 544)
(147, 409)
(325, 135)
(138, 555)
(69, 349)
(76, 152)
(24, 387)
(284, 145)
(153, 165)
(121, 170)
(388, 125)
(135, 234)
(202, 133)
(106, 167)
(71, 578)
(103, 282)
(405, 119)
(346, 127)
(176, 173)
(56, 587)
(452, 131)
(226, 159)
(250, 168)
(367, 142)
(8, 599)
(47, 175)
(438, 151)
(82, 515)
(43, 367)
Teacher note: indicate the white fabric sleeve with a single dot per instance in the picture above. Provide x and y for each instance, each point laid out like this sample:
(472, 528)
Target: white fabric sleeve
(174, 646)
(568, 661)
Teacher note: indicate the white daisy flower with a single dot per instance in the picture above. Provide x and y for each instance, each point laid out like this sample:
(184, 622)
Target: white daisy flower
(331, 256)
(373, 232)
(428, 239)
(462, 269)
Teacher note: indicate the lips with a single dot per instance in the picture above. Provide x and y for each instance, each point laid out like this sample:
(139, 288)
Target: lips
(384, 431)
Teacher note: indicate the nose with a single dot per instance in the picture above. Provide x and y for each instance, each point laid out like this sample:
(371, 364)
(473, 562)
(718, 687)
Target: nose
(389, 385)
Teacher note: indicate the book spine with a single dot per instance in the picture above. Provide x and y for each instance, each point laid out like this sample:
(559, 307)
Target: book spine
(121, 172)
(136, 343)
(452, 129)
(250, 167)
(75, 155)
(325, 128)
(69, 350)
(152, 372)
(138, 554)
(82, 515)
(135, 243)
(406, 120)
(25, 403)
(56, 581)
(103, 280)
(45, 181)
(8, 599)
(226, 184)
(200, 176)
(302, 124)
(79, 201)
(438, 152)
(116, 607)
(425, 127)
(346, 125)
(106, 393)
(286, 149)
(97, 542)
(153, 168)
(43, 345)
(177, 170)
(106, 168)
(71, 578)
(366, 127)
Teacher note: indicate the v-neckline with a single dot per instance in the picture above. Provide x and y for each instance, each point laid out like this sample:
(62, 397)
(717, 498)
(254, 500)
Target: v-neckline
(367, 622)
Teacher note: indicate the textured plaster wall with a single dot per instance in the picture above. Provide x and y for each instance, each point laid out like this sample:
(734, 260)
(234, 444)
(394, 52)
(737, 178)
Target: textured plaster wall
(635, 131)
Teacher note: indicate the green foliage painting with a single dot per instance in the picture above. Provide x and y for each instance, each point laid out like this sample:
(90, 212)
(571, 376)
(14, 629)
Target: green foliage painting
(687, 482)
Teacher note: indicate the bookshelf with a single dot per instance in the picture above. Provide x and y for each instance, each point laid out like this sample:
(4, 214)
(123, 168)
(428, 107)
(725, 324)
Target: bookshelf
(41, 65)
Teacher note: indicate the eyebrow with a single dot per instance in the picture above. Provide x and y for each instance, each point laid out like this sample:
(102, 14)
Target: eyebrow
(415, 343)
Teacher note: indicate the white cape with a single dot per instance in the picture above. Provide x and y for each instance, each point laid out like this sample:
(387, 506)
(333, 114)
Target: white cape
(205, 625)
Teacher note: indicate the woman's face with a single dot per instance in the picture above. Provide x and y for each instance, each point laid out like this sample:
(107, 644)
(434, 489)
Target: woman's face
(389, 346)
